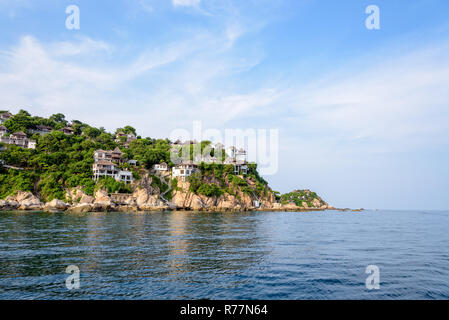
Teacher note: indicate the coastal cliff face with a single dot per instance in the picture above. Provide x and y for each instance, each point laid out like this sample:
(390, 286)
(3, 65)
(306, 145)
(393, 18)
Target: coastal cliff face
(146, 198)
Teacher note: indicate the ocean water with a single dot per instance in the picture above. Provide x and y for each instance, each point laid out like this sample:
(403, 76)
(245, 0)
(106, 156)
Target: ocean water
(186, 255)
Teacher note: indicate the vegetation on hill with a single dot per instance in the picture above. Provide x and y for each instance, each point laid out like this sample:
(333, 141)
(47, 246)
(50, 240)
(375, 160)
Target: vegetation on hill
(64, 161)
(216, 180)
(299, 196)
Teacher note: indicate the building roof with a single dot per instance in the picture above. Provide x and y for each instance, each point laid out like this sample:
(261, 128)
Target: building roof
(3, 128)
(6, 114)
(117, 150)
(19, 134)
(187, 163)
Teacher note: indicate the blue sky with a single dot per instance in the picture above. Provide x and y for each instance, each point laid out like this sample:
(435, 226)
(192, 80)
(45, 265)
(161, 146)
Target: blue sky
(363, 115)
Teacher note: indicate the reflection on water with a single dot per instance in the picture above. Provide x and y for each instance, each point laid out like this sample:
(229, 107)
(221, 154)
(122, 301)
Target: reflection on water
(176, 255)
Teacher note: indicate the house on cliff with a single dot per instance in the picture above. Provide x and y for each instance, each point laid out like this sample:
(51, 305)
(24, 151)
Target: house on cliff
(19, 139)
(4, 117)
(184, 170)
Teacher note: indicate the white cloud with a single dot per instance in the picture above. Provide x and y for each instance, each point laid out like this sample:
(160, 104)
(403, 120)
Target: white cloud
(186, 3)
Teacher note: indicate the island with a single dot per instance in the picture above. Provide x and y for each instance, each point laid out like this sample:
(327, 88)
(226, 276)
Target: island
(53, 165)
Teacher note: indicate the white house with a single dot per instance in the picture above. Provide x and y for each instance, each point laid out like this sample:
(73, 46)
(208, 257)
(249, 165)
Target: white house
(184, 170)
(3, 131)
(240, 156)
(5, 116)
(100, 155)
(124, 176)
(19, 139)
(104, 168)
(132, 162)
(161, 167)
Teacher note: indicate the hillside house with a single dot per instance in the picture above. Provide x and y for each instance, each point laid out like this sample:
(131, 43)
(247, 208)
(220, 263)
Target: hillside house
(128, 138)
(162, 167)
(240, 156)
(104, 168)
(41, 129)
(124, 176)
(102, 155)
(3, 131)
(4, 117)
(68, 131)
(184, 170)
(19, 139)
(117, 155)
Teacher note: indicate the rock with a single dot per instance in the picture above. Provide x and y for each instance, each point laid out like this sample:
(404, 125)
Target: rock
(141, 197)
(85, 199)
(103, 202)
(305, 205)
(81, 208)
(8, 205)
(55, 206)
(316, 203)
(290, 206)
(27, 201)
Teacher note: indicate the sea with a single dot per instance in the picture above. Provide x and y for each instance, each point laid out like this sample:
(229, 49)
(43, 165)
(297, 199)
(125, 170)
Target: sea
(368, 255)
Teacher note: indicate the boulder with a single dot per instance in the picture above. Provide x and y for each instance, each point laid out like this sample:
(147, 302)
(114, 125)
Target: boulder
(103, 202)
(55, 206)
(85, 199)
(28, 201)
(8, 205)
(81, 208)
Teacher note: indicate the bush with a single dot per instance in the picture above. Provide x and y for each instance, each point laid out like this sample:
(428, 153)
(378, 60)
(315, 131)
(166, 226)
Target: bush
(210, 190)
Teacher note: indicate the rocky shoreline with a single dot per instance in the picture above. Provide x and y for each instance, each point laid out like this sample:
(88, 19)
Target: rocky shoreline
(142, 201)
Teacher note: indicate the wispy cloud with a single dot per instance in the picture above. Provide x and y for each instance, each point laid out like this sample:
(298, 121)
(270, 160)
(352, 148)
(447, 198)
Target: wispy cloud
(185, 3)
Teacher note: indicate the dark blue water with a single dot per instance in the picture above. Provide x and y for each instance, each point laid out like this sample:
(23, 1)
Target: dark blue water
(178, 255)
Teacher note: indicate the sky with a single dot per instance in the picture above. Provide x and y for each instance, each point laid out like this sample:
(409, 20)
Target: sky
(362, 115)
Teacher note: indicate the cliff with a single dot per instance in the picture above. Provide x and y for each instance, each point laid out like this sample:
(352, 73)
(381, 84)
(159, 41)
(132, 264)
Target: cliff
(57, 174)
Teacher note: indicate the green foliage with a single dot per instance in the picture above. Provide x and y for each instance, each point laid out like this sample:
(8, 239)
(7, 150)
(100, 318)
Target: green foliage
(157, 182)
(237, 181)
(300, 196)
(196, 181)
(112, 186)
(174, 184)
(59, 162)
(12, 181)
(210, 190)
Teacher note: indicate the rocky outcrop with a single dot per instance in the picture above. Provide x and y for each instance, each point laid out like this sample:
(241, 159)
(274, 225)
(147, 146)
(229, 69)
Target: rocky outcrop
(22, 201)
(145, 201)
(55, 206)
(103, 202)
(8, 205)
